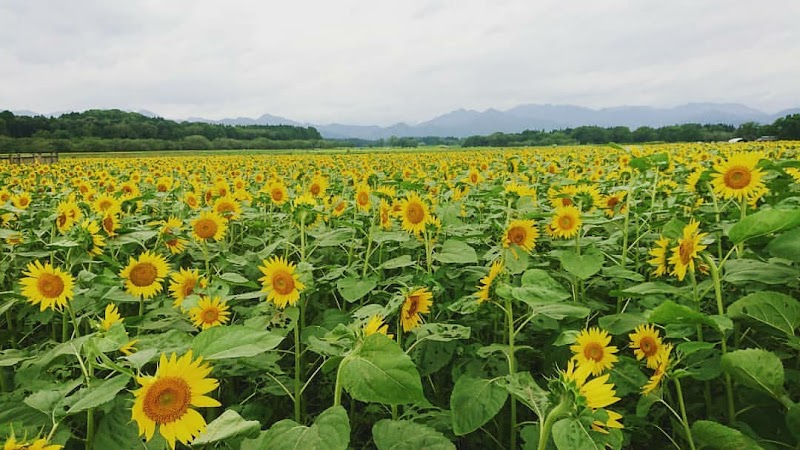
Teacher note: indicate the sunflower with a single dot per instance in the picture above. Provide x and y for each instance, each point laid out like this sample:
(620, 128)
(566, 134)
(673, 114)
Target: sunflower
(110, 223)
(613, 204)
(183, 284)
(191, 200)
(318, 186)
(414, 212)
(208, 225)
(281, 284)
(597, 392)
(143, 276)
(47, 286)
(612, 422)
(646, 344)
(209, 313)
(416, 303)
(169, 232)
(21, 201)
(165, 399)
(566, 222)
(129, 347)
(385, 215)
(663, 359)
(659, 254)
(278, 194)
(106, 204)
(593, 352)
(38, 444)
(338, 205)
(375, 325)
(737, 177)
(67, 214)
(683, 255)
(112, 316)
(363, 200)
(227, 207)
(485, 289)
(522, 233)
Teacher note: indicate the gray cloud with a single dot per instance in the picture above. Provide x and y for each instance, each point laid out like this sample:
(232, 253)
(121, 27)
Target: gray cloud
(380, 62)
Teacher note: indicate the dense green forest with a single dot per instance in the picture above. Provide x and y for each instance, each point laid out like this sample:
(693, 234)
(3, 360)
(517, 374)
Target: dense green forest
(115, 130)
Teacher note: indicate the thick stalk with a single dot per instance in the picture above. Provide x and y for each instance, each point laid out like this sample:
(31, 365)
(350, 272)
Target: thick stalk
(555, 414)
(511, 371)
(298, 384)
(714, 270)
(706, 384)
(684, 419)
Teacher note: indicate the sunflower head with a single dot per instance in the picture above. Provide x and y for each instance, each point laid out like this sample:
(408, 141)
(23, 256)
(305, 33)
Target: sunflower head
(47, 286)
(184, 283)
(209, 313)
(375, 325)
(486, 288)
(566, 222)
(417, 302)
(111, 317)
(280, 282)
(414, 212)
(593, 352)
(647, 344)
(737, 177)
(209, 225)
(143, 276)
(522, 233)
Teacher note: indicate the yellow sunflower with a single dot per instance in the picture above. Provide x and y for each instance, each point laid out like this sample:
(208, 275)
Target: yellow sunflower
(209, 313)
(281, 284)
(92, 233)
(169, 232)
(416, 303)
(110, 223)
(592, 350)
(338, 205)
(414, 212)
(208, 225)
(112, 316)
(191, 200)
(485, 288)
(38, 444)
(663, 359)
(522, 233)
(376, 325)
(684, 254)
(106, 204)
(165, 400)
(646, 344)
(385, 215)
(67, 214)
(143, 276)
(318, 186)
(47, 286)
(21, 201)
(363, 198)
(613, 204)
(278, 194)
(183, 284)
(597, 391)
(612, 422)
(227, 207)
(566, 222)
(659, 254)
(737, 177)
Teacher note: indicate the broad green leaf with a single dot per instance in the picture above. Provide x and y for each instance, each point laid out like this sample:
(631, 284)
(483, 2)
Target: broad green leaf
(456, 252)
(625, 274)
(228, 425)
(116, 430)
(523, 387)
(331, 431)
(773, 309)
(379, 371)
(755, 368)
(558, 310)
(764, 222)
(793, 420)
(670, 312)
(745, 271)
(234, 341)
(621, 323)
(99, 394)
(334, 237)
(234, 278)
(354, 288)
(396, 263)
(537, 285)
(44, 401)
(715, 436)
(786, 246)
(13, 356)
(650, 288)
(572, 434)
(474, 402)
(584, 265)
(407, 435)
(515, 260)
(442, 332)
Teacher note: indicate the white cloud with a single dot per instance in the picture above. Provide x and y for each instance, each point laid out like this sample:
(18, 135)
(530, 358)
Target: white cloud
(381, 62)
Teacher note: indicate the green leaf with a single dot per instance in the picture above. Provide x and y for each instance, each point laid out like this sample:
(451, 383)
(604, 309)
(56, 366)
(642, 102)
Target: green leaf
(786, 246)
(523, 387)
(99, 394)
(334, 237)
(396, 263)
(331, 431)
(756, 368)
(715, 436)
(474, 402)
(379, 371)
(773, 309)
(670, 312)
(44, 401)
(515, 260)
(228, 425)
(442, 332)
(234, 278)
(572, 434)
(621, 323)
(744, 271)
(456, 252)
(116, 429)
(650, 288)
(582, 266)
(407, 435)
(353, 288)
(764, 222)
(537, 285)
(793, 420)
(234, 341)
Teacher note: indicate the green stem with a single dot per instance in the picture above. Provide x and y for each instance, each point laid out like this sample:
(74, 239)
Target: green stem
(298, 385)
(684, 419)
(366, 255)
(511, 371)
(714, 270)
(556, 413)
(428, 252)
(205, 257)
(696, 298)
(337, 390)
(77, 330)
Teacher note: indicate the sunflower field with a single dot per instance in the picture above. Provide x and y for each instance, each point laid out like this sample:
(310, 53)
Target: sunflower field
(540, 298)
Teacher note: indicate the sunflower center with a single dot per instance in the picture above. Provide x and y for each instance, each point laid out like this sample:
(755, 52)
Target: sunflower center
(363, 198)
(50, 286)
(171, 242)
(205, 228)
(415, 213)
(593, 351)
(612, 202)
(648, 346)
(167, 400)
(210, 315)
(104, 205)
(686, 250)
(162, 187)
(282, 282)
(340, 206)
(413, 306)
(517, 235)
(108, 224)
(737, 177)
(566, 201)
(473, 177)
(62, 219)
(315, 189)
(143, 274)
(225, 207)
(277, 195)
(188, 287)
(23, 201)
(565, 222)
(191, 201)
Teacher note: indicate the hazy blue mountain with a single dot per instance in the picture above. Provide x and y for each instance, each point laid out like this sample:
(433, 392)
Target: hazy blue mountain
(266, 119)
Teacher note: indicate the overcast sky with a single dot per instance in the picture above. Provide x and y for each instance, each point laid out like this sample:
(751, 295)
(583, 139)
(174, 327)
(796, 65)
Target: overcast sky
(380, 62)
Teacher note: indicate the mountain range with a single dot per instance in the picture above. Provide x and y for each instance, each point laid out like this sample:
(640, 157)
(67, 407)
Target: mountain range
(463, 122)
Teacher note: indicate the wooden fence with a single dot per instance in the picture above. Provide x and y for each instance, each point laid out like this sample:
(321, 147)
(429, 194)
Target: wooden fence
(30, 158)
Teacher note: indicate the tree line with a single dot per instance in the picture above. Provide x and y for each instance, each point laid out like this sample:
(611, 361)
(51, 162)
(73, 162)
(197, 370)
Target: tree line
(116, 130)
